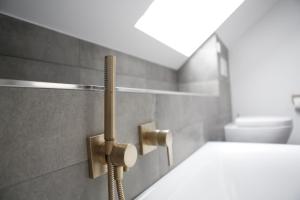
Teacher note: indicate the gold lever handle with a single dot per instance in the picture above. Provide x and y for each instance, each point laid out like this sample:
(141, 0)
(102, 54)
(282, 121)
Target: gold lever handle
(150, 138)
(164, 138)
(170, 155)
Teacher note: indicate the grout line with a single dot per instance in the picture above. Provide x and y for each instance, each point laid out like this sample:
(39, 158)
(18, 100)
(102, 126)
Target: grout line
(80, 67)
(51, 62)
(41, 175)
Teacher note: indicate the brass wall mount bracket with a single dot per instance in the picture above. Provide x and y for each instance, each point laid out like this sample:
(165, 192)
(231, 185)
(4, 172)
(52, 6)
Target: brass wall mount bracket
(150, 138)
(97, 164)
(123, 155)
(146, 146)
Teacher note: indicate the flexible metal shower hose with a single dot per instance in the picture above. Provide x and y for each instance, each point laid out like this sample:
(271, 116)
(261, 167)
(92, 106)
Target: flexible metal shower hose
(110, 171)
(111, 182)
(120, 190)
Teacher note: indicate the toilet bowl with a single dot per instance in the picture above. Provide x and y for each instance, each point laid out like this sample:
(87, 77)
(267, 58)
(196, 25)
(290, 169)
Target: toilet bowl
(259, 130)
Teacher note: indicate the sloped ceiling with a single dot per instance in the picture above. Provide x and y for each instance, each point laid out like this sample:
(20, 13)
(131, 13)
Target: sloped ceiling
(248, 14)
(110, 23)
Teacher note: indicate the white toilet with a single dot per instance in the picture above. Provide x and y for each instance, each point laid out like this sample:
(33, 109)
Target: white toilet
(259, 130)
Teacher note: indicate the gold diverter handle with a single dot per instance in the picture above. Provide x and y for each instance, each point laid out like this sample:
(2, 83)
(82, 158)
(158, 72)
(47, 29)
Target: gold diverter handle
(150, 138)
(164, 138)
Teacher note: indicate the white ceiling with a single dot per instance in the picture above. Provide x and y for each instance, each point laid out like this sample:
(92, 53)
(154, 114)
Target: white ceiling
(110, 23)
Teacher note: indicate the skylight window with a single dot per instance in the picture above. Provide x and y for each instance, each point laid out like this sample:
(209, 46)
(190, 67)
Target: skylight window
(185, 24)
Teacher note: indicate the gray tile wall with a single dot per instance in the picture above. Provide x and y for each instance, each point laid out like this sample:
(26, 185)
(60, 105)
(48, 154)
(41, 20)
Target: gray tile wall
(43, 132)
(201, 73)
(30, 52)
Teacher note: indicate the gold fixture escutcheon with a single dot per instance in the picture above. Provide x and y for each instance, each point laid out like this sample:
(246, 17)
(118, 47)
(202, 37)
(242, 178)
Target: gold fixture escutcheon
(97, 164)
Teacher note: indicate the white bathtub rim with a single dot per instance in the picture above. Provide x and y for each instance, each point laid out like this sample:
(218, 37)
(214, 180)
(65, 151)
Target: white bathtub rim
(215, 156)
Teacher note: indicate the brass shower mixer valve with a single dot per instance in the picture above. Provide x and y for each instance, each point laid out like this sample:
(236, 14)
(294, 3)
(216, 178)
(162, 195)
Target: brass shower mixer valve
(150, 138)
(123, 155)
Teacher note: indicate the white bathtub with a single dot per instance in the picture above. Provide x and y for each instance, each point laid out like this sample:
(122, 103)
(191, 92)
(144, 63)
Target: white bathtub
(233, 171)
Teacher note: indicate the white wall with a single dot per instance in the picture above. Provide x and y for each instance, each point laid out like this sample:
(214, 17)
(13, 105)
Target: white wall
(265, 65)
(249, 13)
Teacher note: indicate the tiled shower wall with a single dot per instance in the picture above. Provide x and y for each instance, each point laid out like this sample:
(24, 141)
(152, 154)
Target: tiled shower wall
(30, 52)
(43, 131)
(202, 73)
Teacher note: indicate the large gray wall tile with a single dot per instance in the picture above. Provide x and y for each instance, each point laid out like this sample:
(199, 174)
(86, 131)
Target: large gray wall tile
(201, 72)
(131, 66)
(202, 87)
(202, 65)
(160, 73)
(69, 183)
(91, 55)
(45, 130)
(130, 81)
(132, 110)
(161, 85)
(25, 69)
(91, 77)
(30, 52)
(187, 140)
(30, 41)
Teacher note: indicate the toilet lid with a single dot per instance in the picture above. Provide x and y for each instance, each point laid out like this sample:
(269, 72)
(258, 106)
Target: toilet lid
(263, 121)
